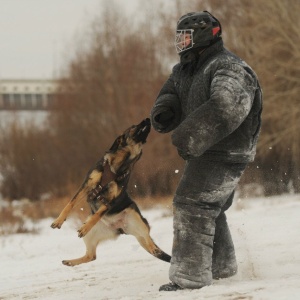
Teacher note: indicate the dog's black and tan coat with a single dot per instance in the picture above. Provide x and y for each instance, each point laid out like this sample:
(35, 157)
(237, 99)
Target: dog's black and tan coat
(113, 211)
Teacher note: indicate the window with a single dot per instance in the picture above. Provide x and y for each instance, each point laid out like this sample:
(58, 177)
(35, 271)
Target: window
(39, 97)
(28, 101)
(6, 101)
(17, 100)
(39, 101)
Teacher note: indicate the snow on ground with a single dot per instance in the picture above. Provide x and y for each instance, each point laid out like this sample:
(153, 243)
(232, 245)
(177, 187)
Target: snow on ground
(265, 231)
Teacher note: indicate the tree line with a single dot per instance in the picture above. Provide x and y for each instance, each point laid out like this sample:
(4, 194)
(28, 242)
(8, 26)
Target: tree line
(113, 78)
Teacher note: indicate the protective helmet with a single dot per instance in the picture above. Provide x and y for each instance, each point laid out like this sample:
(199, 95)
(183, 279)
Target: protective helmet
(196, 30)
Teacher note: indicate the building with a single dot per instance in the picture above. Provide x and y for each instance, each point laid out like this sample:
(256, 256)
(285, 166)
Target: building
(26, 94)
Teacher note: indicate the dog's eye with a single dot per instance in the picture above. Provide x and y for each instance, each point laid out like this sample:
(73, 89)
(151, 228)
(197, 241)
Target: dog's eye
(132, 130)
(122, 140)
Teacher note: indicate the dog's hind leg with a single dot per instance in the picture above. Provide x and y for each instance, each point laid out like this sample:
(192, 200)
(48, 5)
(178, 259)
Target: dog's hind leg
(99, 233)
(136, 225)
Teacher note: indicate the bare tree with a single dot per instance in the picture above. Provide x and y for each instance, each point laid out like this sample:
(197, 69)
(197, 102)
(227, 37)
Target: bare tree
(114, 78)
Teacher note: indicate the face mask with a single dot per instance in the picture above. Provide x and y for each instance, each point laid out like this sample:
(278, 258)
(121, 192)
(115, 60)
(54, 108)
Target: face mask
(184, 40)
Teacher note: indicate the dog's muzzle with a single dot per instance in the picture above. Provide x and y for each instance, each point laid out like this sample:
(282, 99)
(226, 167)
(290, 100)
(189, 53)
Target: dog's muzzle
(142, 131)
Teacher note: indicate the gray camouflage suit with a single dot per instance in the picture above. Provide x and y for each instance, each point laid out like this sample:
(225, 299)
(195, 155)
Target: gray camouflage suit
(213, 105)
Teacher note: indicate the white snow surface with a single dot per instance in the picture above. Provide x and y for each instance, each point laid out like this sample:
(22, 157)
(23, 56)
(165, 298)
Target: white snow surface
(265, 232)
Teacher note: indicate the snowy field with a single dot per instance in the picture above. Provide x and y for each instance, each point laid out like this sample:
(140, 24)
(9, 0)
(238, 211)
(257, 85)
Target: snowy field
(265, 231)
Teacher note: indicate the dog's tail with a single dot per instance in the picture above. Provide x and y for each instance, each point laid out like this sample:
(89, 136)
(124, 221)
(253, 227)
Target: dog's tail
(153, 249)
(140, 228)
(160, 254)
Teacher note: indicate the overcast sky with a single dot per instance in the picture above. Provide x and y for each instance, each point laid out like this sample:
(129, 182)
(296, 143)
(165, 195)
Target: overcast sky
(35, 34)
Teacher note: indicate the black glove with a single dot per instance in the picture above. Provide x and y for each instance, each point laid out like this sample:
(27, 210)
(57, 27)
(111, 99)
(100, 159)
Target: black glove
(162, 117)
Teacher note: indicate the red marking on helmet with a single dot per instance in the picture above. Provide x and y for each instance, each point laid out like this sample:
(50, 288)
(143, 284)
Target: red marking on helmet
(215, 30)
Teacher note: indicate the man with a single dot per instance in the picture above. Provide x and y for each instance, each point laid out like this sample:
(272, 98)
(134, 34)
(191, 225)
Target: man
(212, 101)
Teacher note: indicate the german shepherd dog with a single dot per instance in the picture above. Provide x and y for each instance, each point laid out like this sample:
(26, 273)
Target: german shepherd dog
(113, 211)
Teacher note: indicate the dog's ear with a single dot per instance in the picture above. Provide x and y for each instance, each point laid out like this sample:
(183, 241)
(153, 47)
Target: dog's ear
(116, 144)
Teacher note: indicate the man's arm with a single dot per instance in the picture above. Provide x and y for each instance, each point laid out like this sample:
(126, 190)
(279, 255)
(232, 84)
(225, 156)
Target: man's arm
(166, 112)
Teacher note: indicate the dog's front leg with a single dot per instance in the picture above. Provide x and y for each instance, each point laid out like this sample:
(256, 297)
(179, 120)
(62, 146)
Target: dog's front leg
(91, 221)
(63, 216)
(93, 178)
(65, 212)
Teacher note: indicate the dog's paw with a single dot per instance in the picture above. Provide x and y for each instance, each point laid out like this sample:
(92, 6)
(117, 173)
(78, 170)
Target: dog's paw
(85, 228)
(57, 224)
(67, 263)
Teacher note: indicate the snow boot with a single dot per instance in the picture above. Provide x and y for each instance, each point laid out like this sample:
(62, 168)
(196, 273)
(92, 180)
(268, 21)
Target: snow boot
(170, 287)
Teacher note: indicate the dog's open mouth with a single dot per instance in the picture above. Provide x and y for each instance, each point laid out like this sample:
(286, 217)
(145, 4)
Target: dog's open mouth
(142, 131)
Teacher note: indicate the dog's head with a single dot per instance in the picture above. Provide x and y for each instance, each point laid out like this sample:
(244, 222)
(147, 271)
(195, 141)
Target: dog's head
(134, 135)
(127, 148)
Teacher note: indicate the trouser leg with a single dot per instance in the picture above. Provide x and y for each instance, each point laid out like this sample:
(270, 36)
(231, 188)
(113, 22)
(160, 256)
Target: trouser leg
(202, 193)
(191, 261)
(223, 259)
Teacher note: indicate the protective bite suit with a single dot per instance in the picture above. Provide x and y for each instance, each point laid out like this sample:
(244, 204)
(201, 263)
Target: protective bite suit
(213, 106)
